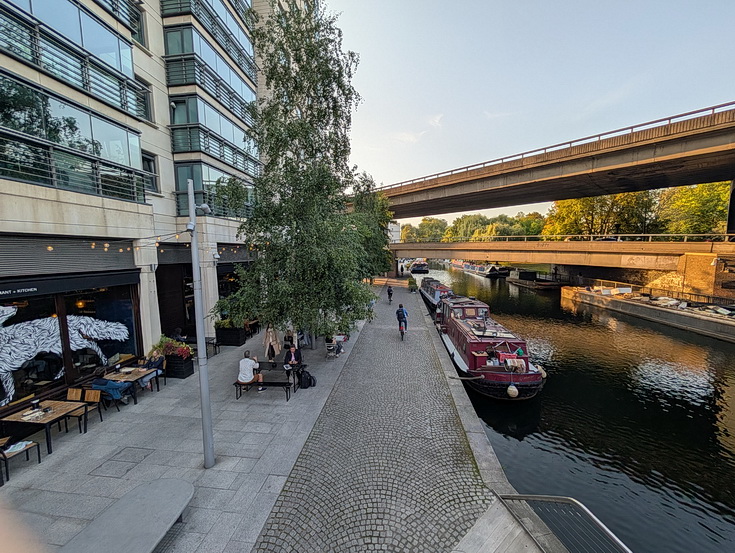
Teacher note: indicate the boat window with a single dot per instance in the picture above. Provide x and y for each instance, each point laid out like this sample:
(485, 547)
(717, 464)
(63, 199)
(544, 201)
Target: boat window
(482, 312)
(470, 312)
(456, 313)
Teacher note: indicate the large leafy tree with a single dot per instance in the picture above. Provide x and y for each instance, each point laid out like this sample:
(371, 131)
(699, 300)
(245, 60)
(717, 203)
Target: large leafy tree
(308, 268)
(699, 209)
(464, 226)
(631, 212)
(371, 216)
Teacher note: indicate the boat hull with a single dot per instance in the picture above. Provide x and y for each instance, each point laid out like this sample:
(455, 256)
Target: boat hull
(498, 389)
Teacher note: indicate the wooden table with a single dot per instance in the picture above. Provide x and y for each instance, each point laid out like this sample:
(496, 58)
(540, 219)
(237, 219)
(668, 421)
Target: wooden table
(59, 410)
(133, 378)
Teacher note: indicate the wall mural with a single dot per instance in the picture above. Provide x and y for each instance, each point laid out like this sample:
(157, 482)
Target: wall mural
(21, 342)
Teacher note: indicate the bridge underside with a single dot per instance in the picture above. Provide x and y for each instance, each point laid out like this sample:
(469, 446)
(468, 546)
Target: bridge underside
(668, 157)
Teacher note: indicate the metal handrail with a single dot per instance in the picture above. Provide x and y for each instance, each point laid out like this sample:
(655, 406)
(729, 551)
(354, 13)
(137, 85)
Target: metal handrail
(713, 236)
(184, 69)
(35, 43)
(579, 507)
(217, 28)
(562, 145)
(195, 137)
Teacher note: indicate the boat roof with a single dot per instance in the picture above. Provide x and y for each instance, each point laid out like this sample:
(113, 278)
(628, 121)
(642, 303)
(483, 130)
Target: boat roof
(488, 328)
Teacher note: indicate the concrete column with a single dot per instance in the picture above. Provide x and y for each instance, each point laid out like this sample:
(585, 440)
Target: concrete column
(731, 210)
(146, 257)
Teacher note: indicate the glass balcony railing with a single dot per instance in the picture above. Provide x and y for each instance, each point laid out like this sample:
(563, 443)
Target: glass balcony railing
(215, 202)
(41, 163)
(197, 138)
(38, 46)
(217, 28)
(190, 69)
(123, 10)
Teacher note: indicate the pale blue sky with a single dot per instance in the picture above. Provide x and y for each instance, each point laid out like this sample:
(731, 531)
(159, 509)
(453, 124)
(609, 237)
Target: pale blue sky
(452, 83)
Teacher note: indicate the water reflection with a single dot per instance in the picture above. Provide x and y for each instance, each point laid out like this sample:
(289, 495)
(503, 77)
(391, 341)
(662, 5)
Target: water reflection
(635, 419)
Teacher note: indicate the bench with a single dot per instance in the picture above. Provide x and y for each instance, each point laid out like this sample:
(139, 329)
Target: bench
(137, 521)
(240, 387)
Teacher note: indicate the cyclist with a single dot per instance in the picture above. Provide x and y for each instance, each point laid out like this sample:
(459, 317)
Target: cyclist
(390, 294)
(402, 316)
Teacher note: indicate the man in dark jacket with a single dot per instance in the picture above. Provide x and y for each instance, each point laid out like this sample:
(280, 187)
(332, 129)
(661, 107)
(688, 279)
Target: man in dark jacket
(292, 358)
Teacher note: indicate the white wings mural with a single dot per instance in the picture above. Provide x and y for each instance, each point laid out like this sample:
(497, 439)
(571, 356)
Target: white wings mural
(21, 342)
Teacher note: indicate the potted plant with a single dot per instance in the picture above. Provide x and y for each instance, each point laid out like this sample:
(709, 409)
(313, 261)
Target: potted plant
(228, 334)
(179, 360)
(412, 287)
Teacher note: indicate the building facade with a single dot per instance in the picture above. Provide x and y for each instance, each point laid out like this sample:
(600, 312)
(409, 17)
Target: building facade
(107, 109)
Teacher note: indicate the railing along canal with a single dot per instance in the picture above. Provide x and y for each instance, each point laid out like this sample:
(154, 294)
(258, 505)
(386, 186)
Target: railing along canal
(710, 237)
(572, 523)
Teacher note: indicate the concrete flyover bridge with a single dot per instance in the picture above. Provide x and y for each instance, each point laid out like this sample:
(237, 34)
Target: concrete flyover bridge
(689, 148)
(703, 263)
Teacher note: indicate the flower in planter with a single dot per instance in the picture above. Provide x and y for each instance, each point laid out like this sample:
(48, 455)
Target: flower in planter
(169, 346)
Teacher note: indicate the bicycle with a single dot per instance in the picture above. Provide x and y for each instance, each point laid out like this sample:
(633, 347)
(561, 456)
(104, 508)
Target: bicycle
(402, 329)
(390, 299)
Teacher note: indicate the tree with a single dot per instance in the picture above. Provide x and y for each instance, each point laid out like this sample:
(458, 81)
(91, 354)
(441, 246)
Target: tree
(627, 213)
(464, 226)
(308, 270)
(698, 209)
(431, 229)
(532, 223)
(409, 233)
(371, 216)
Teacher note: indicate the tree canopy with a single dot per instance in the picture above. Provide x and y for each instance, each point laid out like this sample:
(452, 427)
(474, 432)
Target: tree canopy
(310, 252)
(699, 209)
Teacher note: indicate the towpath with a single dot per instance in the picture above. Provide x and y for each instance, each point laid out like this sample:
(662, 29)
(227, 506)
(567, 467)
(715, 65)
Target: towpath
(384, 454)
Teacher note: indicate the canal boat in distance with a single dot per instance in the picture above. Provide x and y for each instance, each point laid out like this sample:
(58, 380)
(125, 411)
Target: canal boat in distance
(419, 266)
(433, 291)
(492, 359)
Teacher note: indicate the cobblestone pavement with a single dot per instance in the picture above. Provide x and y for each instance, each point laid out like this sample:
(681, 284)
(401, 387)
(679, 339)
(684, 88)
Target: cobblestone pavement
(387, 466)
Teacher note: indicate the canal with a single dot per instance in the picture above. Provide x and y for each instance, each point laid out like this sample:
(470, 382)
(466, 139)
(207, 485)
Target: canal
(636, 419)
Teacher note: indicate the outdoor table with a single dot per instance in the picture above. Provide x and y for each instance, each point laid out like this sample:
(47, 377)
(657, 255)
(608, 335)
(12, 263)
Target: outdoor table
(59, 410)
(133, 377)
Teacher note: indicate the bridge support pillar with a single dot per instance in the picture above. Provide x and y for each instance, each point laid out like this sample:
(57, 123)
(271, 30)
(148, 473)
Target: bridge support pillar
(731, 210)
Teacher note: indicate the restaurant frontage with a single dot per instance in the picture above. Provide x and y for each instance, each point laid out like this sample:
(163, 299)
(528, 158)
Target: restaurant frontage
(57, 328)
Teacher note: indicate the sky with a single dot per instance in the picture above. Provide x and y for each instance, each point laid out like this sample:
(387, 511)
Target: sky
(446, 84)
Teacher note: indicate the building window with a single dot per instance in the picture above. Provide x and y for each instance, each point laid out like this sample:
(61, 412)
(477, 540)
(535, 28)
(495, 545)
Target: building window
(149, 166)
(144, 99)
(139, 28)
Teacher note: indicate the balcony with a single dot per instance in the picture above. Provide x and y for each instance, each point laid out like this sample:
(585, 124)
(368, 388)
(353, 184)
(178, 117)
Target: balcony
(190, 69)
(215, 203)
(38, 162)
(35, 45)
(217, 28)
(197, 138)
(123, 10)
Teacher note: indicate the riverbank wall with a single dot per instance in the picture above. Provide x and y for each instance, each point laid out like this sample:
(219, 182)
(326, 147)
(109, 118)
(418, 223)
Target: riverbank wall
(722, 329)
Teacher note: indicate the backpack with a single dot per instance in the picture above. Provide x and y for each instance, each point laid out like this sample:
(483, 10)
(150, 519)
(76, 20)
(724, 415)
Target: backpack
(401, 314)
(307, 381)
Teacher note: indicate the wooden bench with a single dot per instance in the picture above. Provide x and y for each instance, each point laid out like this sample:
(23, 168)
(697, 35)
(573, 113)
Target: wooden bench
(285, 384)
(137, 521)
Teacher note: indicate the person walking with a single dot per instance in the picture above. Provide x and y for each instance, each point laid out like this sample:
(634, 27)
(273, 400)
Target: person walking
(402, 316)
(272, 344)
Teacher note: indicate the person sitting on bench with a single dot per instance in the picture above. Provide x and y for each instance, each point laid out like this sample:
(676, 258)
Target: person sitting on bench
(246, 376)
(292, 360)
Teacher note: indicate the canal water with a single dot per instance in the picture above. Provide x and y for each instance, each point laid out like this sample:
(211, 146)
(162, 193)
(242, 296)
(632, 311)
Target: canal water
(636, 420)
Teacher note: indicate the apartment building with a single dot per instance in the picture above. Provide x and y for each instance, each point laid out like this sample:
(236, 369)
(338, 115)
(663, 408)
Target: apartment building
(107, 109)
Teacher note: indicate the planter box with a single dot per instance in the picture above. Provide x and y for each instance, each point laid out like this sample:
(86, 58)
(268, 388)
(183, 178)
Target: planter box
(231, 336)
(178, 367)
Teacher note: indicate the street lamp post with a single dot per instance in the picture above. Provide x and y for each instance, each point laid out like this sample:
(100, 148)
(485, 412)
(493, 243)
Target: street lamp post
(207, 434)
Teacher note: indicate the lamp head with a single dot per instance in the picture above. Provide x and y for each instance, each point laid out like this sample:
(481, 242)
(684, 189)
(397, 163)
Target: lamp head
(205, 209)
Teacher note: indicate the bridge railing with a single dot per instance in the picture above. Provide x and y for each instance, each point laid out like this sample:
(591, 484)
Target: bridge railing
(711, 237)
(562, 145)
